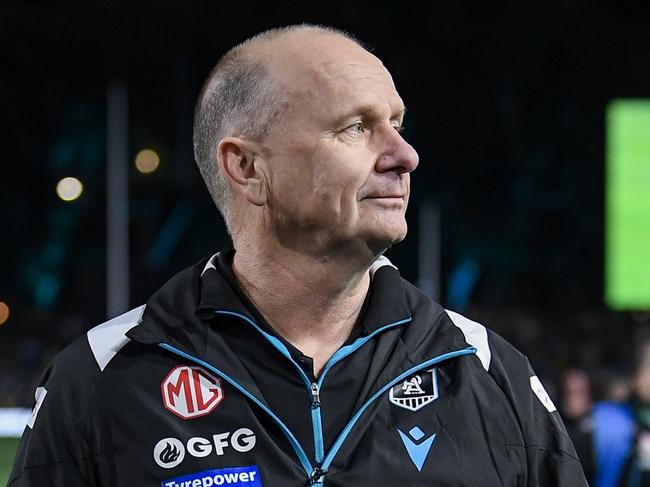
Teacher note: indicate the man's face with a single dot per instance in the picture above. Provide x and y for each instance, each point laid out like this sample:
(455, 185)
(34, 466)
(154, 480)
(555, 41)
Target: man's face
(339, 169)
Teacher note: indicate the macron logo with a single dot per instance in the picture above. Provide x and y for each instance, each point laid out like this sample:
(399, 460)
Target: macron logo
(235, 476)
(417, 448)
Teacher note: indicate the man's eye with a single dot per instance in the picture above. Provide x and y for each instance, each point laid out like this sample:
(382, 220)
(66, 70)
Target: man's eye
(399, 128)
(357, 127)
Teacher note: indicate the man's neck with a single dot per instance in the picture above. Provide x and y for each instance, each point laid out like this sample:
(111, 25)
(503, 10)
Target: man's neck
(314, 303)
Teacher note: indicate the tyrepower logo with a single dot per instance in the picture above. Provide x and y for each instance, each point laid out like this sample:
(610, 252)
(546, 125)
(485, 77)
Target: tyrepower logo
(170, 452)
(190, 392)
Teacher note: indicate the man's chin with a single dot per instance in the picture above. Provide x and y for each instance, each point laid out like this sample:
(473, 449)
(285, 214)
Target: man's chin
(378, 242)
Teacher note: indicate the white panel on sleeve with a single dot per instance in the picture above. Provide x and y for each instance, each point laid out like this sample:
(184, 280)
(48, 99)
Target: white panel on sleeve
(39, 395)
(108, 338)
(475, 335)
(542, 395)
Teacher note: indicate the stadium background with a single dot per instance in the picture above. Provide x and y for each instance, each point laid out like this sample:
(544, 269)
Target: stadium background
(508, 109)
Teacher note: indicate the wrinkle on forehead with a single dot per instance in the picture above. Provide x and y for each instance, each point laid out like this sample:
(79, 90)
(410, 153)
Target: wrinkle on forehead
(341, 74)
(352, 80)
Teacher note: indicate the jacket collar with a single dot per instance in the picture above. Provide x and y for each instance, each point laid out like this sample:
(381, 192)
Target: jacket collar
(181, 309)
(385, 303)
(219, 290)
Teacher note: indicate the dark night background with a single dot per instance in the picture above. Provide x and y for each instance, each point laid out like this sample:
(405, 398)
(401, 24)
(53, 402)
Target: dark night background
(506, 108)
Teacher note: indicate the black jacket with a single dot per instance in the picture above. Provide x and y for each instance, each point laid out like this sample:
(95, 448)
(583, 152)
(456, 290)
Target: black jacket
(158, 396)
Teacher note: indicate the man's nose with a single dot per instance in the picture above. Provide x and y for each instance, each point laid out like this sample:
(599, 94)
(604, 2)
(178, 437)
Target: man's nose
(397, 154)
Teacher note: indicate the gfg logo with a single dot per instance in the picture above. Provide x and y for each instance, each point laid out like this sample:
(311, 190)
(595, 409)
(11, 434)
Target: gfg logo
(190, 392)
(170, 452)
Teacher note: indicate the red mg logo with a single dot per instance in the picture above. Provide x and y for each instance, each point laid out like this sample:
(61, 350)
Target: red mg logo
(190, 392)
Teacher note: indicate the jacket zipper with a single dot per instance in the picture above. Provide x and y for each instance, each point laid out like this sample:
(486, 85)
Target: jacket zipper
(312, 388)
(316, 474)
(317, 423)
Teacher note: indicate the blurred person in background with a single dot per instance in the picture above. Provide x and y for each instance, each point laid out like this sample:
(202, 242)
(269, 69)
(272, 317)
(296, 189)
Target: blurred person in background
(300, 357)
(638, 469)
(576, 411)
(621, 426)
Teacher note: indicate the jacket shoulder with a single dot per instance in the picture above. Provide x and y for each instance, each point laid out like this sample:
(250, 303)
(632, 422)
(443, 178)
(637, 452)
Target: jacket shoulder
(551, 458)
(436, 324)
(491, 349)
(107, 339)
(59, 433)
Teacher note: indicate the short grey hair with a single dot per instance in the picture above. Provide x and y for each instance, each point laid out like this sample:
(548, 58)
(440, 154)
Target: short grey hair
(239, 98)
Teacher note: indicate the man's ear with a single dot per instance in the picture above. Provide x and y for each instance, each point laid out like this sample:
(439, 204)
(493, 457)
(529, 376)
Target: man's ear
(244, 168)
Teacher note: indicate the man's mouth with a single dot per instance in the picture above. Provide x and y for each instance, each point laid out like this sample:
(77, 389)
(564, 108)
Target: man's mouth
(388, 201)
(385, 196)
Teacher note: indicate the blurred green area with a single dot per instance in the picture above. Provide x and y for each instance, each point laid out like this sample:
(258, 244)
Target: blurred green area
(7, 451)
(627, 282)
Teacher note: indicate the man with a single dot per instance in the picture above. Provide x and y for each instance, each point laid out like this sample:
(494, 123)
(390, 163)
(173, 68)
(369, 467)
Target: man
(300, 357)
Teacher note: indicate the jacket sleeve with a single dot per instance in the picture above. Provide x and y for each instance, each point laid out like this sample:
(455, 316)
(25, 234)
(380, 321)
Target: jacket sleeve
(550, 457)
(55, 449)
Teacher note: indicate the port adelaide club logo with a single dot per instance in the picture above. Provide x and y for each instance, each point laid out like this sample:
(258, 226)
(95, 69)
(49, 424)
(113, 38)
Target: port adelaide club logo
(416, 391)
(190, 392)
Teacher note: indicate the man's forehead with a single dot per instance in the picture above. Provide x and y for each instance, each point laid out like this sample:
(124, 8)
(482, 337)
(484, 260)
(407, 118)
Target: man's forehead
(315, 56)
(342, 70)
(352, 88)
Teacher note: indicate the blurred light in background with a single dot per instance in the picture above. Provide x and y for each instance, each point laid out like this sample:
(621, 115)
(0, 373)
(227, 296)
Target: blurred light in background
(69, 189)
(147, 161)
(627, 247)
(4, 313)
(12, 423)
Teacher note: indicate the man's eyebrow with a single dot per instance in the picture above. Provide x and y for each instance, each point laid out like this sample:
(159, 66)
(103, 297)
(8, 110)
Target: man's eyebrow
(371, 112)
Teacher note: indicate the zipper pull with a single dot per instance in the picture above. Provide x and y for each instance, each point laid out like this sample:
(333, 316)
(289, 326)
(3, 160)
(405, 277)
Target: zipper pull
(317, 477)
(315, 395)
